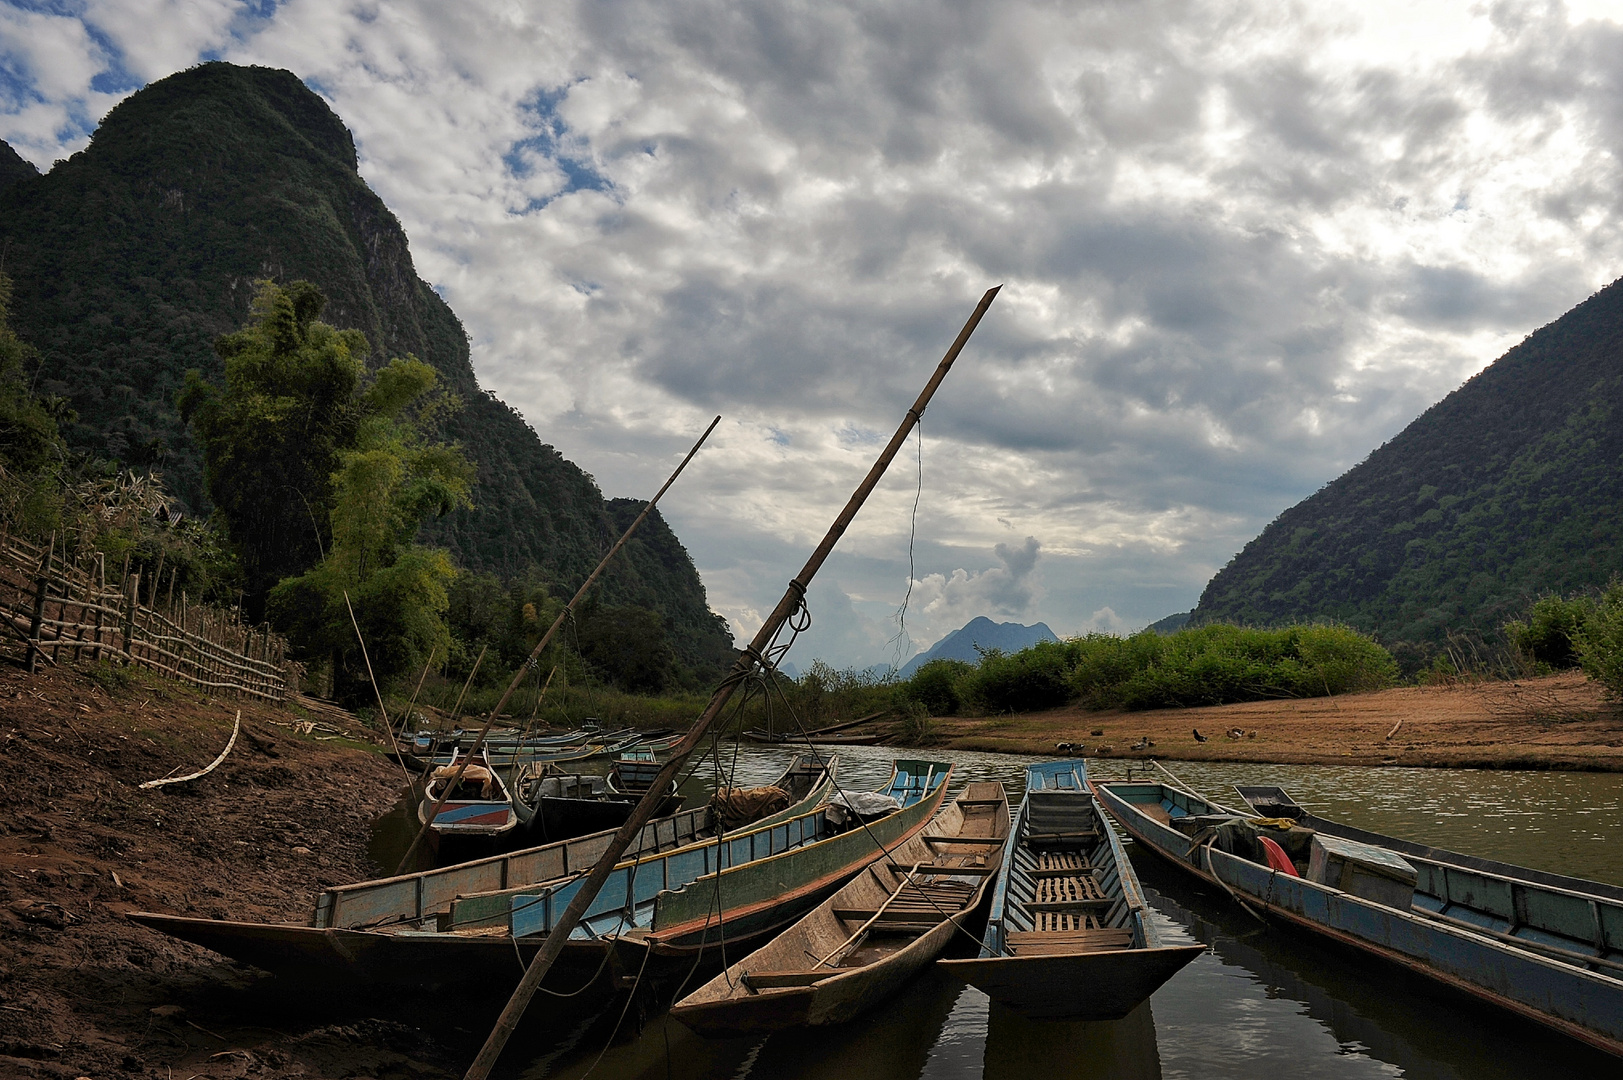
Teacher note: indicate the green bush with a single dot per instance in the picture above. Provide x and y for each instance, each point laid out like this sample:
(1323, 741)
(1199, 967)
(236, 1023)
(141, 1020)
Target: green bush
(1600, 642)
(935, 686)
(1205, 665)
(1031, 679)
(1551, 631)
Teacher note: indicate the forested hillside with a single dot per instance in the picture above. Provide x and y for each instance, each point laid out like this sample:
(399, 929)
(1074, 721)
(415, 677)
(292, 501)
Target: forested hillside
(134, 255)
(1509, 487)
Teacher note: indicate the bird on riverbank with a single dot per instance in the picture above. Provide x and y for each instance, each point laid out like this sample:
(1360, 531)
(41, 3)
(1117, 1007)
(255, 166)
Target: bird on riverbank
(1198, 736)
(1142, 744)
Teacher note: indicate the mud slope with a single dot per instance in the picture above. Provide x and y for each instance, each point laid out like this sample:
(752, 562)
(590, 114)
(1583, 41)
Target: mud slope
(83, 992)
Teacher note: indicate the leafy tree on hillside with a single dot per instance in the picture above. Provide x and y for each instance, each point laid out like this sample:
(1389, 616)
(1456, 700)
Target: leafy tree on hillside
(28, 434)
(308, 461)
(272, 437)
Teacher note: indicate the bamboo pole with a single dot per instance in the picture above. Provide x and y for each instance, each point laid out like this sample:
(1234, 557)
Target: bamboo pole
(535, 653)
(752, 655)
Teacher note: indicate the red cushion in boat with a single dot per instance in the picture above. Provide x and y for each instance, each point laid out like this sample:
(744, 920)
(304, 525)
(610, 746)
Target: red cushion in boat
(1277, 859)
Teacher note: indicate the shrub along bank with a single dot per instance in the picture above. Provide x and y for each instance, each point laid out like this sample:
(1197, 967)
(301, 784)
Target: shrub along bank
(1206, 665)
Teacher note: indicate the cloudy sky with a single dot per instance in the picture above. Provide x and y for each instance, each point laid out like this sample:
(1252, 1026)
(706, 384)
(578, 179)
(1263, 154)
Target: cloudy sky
(1241, 243)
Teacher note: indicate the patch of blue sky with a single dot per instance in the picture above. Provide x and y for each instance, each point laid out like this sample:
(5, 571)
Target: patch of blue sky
(779, 437)
(554, 143)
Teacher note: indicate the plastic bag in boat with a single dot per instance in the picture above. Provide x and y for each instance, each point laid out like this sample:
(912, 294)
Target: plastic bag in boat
(867, 805)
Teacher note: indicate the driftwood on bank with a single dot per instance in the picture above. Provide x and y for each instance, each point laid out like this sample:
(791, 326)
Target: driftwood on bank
(215, 764)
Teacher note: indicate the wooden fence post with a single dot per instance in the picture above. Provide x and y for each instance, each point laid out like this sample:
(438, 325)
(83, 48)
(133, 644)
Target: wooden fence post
(34, 651)
(133, 587)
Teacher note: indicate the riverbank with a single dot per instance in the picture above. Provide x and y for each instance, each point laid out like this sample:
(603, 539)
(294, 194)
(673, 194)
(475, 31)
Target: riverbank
(84, 992)
(1557, 722)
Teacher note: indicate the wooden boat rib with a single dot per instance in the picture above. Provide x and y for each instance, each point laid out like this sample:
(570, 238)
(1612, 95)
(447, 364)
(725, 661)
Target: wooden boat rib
(871, 936)
(1067, 936)
(385, 931)
(1525, 940)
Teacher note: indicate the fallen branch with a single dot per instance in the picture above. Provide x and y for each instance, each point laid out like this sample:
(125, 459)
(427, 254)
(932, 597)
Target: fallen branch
(236, 727)
(1395, 727)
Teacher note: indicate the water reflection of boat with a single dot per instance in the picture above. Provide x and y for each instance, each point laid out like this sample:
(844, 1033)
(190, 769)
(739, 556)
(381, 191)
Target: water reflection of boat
(1385, 896)
(1066, 936)
(1018, 1048)
(873, 935)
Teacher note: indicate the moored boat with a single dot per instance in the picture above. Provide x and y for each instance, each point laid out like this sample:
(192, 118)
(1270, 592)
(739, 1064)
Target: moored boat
(661, 913)
(561, 806)
(385, 931)
(1068, 935)
(1546, 946)
(871, 936)
(479, 805)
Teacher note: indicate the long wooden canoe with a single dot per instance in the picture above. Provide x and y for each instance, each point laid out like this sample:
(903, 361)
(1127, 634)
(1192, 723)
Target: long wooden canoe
(871, 936)
(733, 895)
(386, 931)
(1544, 946)
(1067, 936)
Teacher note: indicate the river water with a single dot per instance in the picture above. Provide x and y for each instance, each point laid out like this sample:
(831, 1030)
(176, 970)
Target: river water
(1262, 1002)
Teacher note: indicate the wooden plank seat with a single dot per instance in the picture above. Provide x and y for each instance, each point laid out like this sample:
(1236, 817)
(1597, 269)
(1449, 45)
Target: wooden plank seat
(771, 980)
(964, 840)
(1032, 943)
(1076, 836)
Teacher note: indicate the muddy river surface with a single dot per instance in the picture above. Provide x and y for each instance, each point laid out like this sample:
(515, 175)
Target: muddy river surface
(1261, 1002)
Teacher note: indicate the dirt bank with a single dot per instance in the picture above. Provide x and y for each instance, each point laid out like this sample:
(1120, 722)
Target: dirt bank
(1558, 722)
(83, 992)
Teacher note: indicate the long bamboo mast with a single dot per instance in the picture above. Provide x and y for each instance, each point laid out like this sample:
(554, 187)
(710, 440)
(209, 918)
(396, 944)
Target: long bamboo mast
(752, 655)
(518, 676)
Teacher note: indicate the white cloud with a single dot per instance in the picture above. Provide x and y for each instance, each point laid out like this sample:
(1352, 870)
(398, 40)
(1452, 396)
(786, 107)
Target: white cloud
(1242, 244)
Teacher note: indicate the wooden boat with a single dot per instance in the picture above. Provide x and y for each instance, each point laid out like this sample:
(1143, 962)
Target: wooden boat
(561, 806)
(871, 936)
(479, 806)
(1545, 946)
(771, 738)
(1067, 936)
(384, 931)
(737, 893)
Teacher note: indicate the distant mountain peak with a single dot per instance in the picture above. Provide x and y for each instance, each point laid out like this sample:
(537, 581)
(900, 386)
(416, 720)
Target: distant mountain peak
(978, 634)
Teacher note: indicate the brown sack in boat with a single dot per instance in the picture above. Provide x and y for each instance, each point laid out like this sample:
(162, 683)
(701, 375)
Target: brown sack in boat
(740, 806)
(474, 774)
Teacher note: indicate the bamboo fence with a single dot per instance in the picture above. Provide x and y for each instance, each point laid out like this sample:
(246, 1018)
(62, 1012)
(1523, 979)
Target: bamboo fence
(53, 609)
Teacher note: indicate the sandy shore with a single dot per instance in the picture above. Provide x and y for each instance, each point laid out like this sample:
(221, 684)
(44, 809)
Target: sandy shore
(1558, 722)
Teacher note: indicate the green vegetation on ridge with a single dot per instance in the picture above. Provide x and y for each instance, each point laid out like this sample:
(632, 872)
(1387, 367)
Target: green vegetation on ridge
(136, 254)
(1509, 488)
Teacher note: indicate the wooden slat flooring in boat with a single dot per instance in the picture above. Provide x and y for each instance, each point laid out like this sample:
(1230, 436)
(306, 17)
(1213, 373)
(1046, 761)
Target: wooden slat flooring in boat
(1061, 890)
(1053, 943)
(1051, 921)
(1060, 864)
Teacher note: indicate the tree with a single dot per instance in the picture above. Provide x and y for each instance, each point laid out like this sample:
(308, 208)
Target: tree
(628, 647)
(324, 478)
(28, 432)
(273, 435)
